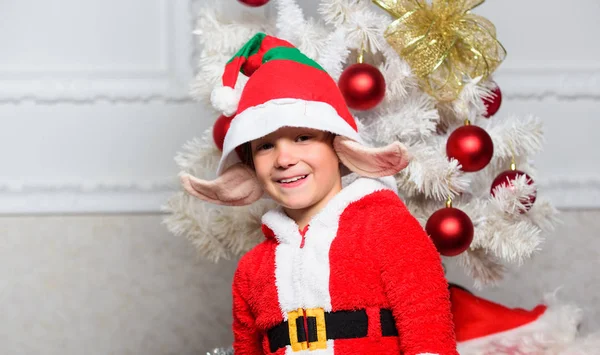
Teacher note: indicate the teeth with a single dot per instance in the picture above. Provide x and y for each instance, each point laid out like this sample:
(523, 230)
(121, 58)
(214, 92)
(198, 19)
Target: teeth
(292, 179)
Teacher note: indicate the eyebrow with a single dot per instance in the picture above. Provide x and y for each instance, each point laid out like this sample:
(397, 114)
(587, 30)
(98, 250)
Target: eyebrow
(260, 140)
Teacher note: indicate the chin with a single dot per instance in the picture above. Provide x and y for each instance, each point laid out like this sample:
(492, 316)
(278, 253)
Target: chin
(291, 202)
(294, 203)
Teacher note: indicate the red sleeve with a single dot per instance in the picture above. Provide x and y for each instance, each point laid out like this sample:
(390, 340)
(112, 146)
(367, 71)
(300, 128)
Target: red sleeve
(414, 282)
(246, 338)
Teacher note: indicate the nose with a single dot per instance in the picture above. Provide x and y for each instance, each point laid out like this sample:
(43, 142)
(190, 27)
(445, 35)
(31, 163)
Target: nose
(286, 156)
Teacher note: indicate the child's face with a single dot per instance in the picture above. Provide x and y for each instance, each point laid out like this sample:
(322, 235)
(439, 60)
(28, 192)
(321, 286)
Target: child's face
(301, 154)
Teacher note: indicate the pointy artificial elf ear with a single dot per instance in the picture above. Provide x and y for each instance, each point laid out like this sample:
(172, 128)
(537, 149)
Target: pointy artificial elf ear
(371, 162)
(237, 186)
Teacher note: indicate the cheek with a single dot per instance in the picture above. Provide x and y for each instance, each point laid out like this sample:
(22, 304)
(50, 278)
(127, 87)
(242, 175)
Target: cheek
(262, 169)
(325, 159)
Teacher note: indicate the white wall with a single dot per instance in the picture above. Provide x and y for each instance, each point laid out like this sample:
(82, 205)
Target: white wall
(94, 105)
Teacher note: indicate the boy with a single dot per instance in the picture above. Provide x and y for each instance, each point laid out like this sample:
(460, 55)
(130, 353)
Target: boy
(342, 270)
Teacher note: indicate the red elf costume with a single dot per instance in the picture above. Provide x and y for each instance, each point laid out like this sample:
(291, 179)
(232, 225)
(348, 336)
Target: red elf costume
(363, 277)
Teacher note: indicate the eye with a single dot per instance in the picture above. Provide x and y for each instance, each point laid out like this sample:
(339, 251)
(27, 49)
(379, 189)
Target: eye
(264, 146)
(303, 138)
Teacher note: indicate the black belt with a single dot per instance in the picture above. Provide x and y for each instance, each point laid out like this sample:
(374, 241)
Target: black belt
(338, 325)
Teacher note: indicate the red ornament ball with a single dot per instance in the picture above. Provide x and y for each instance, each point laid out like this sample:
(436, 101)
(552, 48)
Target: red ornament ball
(254, 3)
(220, 129)
(506, 178)
(362, 85)
(451, 231)
(472, 146)
(492, 103)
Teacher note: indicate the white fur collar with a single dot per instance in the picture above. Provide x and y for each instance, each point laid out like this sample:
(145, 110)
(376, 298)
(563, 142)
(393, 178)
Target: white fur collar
(286, 229)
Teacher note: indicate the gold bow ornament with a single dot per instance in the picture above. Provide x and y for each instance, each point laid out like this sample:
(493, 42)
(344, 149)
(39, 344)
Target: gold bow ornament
(443, 42)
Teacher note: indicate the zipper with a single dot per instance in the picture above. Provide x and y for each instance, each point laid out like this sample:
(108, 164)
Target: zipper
(303, 234)
(305, 326)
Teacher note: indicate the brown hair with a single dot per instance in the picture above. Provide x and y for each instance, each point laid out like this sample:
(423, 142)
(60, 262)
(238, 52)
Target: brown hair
(246, 155)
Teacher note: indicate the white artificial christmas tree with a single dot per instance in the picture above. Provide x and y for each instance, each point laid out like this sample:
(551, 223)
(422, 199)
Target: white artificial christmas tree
(411, 113)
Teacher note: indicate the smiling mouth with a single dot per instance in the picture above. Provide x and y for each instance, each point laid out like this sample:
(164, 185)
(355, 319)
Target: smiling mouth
(292, 180)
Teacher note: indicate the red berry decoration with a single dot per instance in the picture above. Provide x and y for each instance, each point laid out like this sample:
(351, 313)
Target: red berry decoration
(254, 3)
(451, 231)
(220, 130)
(492, 103)
(472, 146)
(362, 85)
(506, 178)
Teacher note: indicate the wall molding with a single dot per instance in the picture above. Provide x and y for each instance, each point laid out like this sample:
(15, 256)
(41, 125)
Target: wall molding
(88, 186)
(170, 83)
(148, 196)
(86, 196)
(571, 192)
(562, 82)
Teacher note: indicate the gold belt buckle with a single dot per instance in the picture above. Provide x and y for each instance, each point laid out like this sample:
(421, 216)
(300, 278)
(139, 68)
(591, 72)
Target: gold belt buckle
(292, 318)
(319, 315)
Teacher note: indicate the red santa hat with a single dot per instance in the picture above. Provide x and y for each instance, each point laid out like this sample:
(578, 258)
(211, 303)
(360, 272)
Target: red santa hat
(285, 89)
(485, 327)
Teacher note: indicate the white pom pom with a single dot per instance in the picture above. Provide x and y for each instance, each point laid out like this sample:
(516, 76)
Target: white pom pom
(226, 100)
